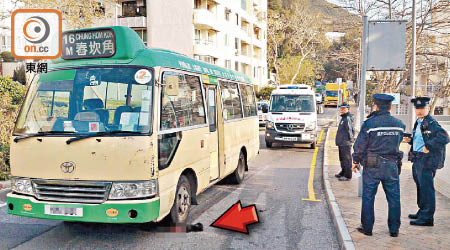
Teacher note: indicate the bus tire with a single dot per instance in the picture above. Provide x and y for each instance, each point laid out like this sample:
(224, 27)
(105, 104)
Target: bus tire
(313, 145)
(182, 203)
(239, 174)
(268, 144)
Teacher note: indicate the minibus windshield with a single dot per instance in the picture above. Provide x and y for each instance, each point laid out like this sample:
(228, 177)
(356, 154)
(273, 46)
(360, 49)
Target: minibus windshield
(292, 103)
(88, 100)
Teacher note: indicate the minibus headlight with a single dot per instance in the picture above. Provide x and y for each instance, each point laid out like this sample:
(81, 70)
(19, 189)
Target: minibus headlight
(21, 185)
(130, 190)
(269, 125)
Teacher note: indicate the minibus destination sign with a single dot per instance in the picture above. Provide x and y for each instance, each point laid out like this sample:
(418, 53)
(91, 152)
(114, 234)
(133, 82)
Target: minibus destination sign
(96, 43)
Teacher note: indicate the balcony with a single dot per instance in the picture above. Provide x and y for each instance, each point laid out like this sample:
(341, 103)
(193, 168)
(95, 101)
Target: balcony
(258, 43)
(205, 19)
(133, 22)
(206, 48)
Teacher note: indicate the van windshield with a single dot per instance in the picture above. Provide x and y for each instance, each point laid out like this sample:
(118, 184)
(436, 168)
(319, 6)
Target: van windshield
(292, 103)
(88, 100)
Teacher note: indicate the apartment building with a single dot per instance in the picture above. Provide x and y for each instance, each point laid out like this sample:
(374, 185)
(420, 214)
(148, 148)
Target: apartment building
(228, 33)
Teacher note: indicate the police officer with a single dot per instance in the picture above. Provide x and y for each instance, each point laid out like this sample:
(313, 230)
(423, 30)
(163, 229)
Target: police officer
(344, 140)
(377, 149)
(427, 154)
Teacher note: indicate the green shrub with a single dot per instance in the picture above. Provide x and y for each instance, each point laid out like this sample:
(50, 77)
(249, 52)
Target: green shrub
(14, 89)
(11, 96)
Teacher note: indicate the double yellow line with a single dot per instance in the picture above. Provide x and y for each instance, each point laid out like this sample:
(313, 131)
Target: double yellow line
(312, 195)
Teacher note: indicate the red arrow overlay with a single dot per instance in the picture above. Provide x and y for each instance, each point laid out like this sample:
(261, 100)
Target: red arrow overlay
(237, 218)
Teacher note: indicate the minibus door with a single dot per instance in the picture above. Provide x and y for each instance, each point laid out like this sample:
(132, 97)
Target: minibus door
(213, 137)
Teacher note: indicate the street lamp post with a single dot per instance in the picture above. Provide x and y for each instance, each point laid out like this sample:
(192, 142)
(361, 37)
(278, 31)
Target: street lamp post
(412, 74)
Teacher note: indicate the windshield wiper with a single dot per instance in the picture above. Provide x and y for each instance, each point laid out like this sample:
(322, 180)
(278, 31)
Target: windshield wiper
(101, 134)
(42, 133)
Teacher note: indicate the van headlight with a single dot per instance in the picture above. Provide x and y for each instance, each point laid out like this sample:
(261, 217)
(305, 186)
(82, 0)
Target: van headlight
(132, 190)
(311, 126)
(270, 125)
(21, 185)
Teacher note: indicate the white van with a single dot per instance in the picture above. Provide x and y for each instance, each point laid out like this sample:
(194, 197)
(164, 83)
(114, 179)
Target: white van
(292, 117)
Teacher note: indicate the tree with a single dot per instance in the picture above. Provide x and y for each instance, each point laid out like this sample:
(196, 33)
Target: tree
(294, 37)
(265, 92)
(77, 14)
(7, 56)
(432, 21)
(19, 75)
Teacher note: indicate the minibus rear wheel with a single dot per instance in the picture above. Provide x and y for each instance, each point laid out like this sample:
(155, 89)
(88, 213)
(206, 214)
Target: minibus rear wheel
(182, 203)
(238, 175)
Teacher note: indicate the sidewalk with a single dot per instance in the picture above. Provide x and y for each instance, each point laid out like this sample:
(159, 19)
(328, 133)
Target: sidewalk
(410, 237)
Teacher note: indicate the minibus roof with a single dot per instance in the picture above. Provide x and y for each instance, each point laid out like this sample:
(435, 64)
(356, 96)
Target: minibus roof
(129, 49)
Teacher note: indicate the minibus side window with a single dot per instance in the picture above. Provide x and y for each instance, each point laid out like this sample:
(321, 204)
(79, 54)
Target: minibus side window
(187, 108)
(248, 100)
(231, 100)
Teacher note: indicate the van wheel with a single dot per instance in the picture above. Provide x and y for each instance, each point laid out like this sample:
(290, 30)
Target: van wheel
(268, 144)
(313, 145)
(238, 175)
(182, 204)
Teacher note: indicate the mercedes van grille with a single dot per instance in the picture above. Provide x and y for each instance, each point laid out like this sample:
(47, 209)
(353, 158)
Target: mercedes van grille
(290, 127)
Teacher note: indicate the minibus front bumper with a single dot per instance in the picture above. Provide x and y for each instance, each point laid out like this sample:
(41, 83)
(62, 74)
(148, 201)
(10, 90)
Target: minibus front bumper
(124, 211)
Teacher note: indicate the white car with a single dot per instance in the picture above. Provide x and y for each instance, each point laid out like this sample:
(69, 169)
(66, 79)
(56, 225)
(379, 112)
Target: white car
(263, 109)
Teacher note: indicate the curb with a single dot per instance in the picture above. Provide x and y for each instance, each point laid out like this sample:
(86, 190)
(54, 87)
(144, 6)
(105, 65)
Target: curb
(345, 240)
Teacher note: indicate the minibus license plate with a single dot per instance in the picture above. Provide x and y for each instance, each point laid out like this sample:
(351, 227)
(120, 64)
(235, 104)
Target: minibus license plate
(64, 211)
(287, 138)
(306, 136)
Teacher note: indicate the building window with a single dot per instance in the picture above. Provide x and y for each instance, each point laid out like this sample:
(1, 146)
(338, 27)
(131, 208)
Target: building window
(197, 36)
(197, 4)
(227, 14)
(244, 4)
(228, 64)
(226, 40)
(134, 8)
(237, 19)
(236, 43)
(143, 35)
(236, 66)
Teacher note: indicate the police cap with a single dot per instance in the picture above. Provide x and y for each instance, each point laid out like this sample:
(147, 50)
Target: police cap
(344, 105)
(383, 99)
(420, 102)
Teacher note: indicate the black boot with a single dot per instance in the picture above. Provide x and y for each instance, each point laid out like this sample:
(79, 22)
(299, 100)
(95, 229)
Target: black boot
(422, 222)
(413, 216)
(361, 230)
(393, 234)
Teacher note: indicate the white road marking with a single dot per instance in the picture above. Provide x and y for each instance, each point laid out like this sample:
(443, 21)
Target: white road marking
(2, 204)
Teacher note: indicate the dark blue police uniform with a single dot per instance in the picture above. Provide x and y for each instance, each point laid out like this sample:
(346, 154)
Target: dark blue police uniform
(377, 149)
(426, 133)
(344, 140)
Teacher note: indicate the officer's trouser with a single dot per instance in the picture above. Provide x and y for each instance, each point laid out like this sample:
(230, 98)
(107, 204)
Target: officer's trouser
(345, 157)
(386, 172)
(423, 175)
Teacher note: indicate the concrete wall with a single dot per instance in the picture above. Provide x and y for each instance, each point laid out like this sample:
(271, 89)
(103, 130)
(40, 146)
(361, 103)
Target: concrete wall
(8, 68)
(176, 14)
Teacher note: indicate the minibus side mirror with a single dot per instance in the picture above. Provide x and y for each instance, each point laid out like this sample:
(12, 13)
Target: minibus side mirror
(171, 85)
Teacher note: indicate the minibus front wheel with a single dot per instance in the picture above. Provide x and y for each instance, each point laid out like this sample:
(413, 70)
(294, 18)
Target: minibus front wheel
(182, 204)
